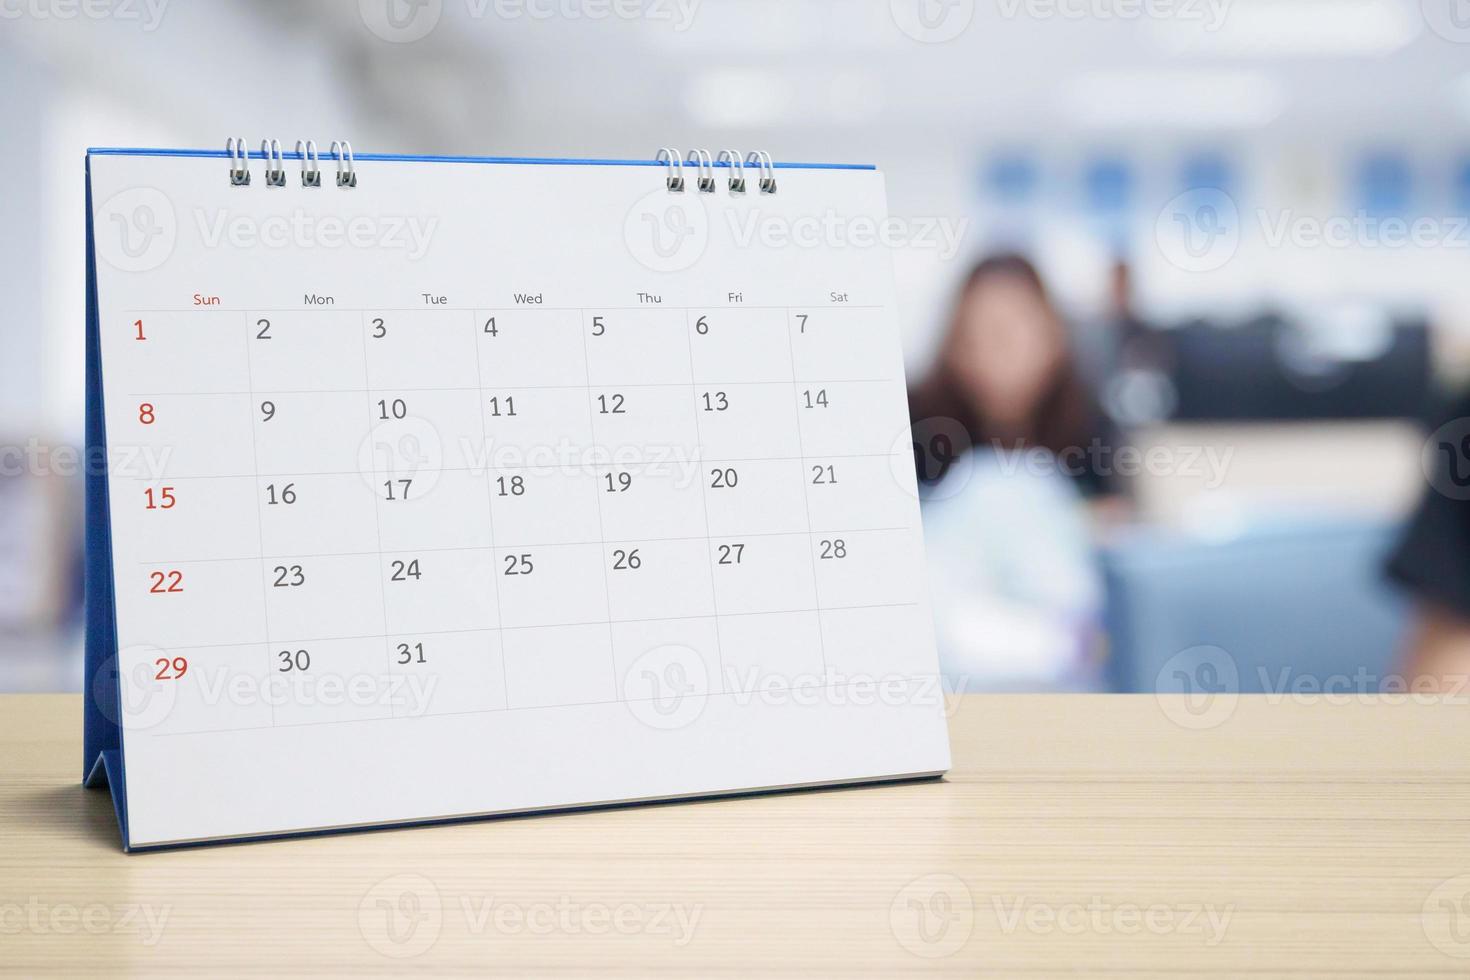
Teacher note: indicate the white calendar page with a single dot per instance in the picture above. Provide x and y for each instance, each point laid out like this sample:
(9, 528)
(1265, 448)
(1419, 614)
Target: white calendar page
(485, 487)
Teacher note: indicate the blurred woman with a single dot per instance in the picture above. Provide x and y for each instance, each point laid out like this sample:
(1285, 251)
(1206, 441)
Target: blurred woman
(1007, 377)
(1008, 447)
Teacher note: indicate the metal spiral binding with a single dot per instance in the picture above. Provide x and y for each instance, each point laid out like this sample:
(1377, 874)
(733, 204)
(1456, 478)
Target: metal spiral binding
(275, 165)
(311, 164)
(762, 159)
(705, 167)
(239, 155)
(346, 168)
(737, 170)
(675, 164)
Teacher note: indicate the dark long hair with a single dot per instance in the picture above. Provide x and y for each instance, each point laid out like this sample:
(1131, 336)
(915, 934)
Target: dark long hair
(1063, 416)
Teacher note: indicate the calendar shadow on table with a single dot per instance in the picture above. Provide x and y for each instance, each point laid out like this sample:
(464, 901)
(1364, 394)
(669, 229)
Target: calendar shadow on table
(88, 813)
(70, 810)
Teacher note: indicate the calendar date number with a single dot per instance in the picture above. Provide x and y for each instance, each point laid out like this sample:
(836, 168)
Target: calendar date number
(288, 577)
(290, 661)
(162, 499)
(170, 668)
(161, 583)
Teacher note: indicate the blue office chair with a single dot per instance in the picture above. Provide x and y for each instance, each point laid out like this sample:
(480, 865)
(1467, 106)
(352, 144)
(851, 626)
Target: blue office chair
(1281, 606)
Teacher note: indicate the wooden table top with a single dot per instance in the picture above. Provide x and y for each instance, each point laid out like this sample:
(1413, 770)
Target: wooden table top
(1124, 835)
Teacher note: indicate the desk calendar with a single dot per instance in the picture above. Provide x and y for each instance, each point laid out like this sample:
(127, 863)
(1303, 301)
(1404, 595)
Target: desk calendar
(440, 488)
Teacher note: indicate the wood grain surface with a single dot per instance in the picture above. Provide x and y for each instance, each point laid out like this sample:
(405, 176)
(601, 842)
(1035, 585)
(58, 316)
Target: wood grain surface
(1076, 834)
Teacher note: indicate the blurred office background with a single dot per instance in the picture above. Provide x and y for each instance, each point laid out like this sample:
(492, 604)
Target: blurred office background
(1272, 194)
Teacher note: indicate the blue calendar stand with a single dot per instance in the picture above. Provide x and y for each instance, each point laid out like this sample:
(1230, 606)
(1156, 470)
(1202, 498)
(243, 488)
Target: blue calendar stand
(102, 758)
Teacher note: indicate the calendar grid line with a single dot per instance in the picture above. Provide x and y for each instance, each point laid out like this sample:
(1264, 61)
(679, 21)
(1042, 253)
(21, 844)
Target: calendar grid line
(485, 471)
(407, 389)
(805, 488)
(597, 502)
(497, 310)
(490, 515)
(265, 606)
(390, 634)
(539, 544)
(377, 505)
(751, 694)
(595, 466)
(704, 504)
